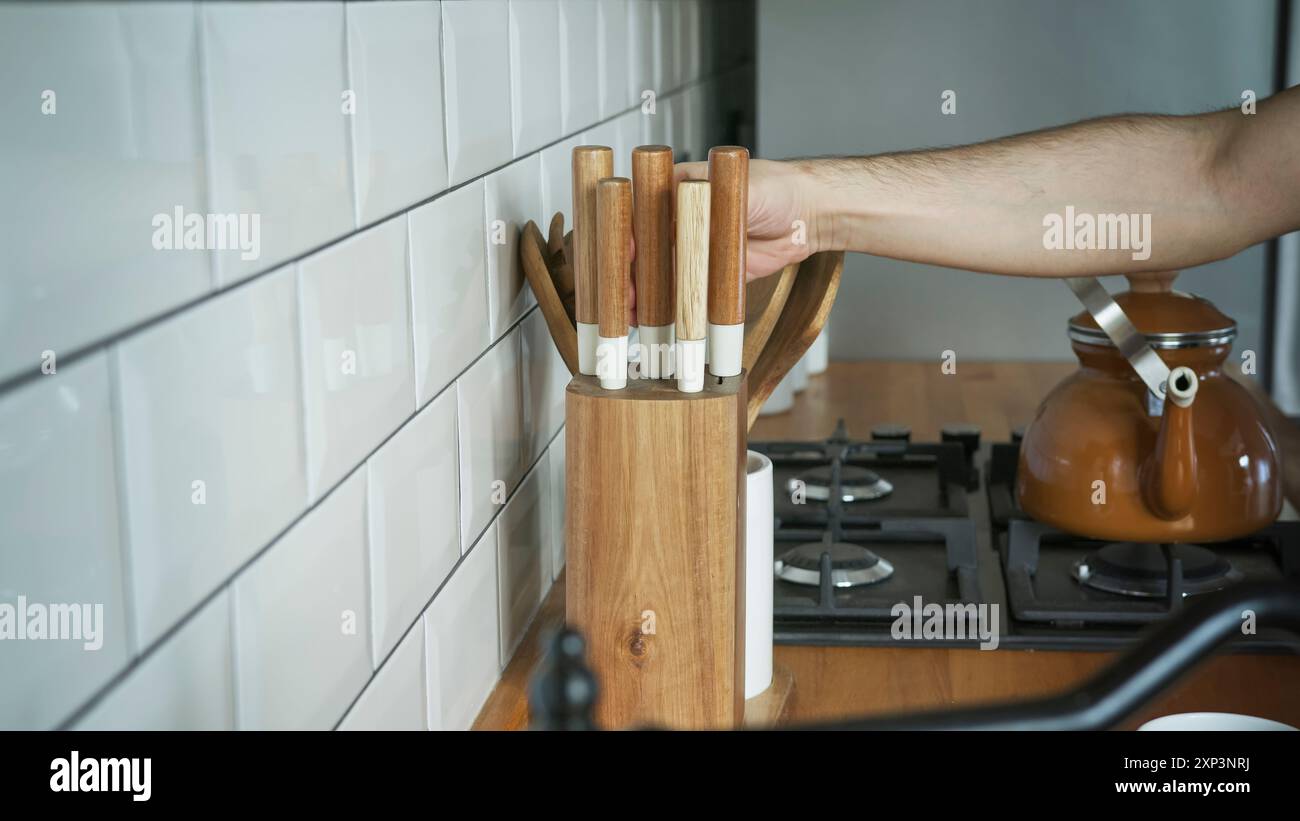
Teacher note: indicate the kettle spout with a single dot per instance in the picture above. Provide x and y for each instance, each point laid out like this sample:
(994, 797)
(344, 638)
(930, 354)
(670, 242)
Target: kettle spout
(1169, 481)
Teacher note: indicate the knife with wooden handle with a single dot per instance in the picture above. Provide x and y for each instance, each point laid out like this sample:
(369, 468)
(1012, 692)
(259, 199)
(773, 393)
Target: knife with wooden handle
(692, 282)
(728, 212)
(591, 164)
(652, 227)
(613, 241)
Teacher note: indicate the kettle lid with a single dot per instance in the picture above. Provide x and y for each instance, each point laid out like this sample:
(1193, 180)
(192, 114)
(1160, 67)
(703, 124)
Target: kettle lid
(1168, 319)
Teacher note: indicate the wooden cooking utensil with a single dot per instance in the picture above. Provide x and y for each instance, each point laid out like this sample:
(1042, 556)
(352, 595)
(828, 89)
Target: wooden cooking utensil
(652, 228)
(532, 253)
(614, 226)
(728, 214)
(764, 300)
(591, 163)
(805, 312)
(692, 282)
(558, 259)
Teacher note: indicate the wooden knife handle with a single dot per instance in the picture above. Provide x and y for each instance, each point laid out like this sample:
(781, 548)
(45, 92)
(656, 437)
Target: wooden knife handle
(591, 164)
(613, 239)
(692, 258)
(728, 213)
(652, 227)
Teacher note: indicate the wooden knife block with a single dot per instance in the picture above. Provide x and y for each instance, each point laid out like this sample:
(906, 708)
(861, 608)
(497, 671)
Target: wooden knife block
(655, 541)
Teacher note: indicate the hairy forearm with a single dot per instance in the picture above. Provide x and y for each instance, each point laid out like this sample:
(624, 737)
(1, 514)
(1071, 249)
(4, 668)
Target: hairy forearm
(986, 207)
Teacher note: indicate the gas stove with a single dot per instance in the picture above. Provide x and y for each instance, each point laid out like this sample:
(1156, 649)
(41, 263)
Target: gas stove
(864, 527)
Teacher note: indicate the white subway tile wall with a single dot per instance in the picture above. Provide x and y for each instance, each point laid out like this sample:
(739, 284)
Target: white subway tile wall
(534, 73)
(490, 417)
(280, 472)
(579, 75)
(59, 542)
(103, 131)
(612, 58)
(461, 639)
(357, 371)
(512, 197)
(188, 683)
(301, 621)
(557, 181)
(449, 290)
(274, 77)
(641, 50)
(211, 412)
(414, 495)
(555, 456)
(544, 379)
(476, 79)
(523, 556)
(395, 80)
(395, 699)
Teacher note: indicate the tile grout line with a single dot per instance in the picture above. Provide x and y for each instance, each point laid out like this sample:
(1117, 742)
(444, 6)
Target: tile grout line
(109, 344)
(350, 79)
(442, 87)
(209, 140)
(447, 580)
(300, 356)
(229, 581)
(21, 378)
(130, 617)
(237, 719)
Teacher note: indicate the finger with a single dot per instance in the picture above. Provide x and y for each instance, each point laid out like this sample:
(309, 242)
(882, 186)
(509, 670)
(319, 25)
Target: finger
(690, 171)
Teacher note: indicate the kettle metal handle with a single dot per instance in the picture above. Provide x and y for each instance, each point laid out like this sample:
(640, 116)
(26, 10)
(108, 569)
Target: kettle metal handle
(1112, 320)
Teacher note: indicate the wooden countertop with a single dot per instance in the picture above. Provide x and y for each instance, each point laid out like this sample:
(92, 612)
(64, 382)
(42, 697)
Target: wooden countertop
(838, 682)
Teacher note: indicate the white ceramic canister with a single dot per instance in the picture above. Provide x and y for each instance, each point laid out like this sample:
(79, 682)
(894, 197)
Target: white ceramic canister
(818, 356)
(799, 374)
(781, 399)
(758, 573)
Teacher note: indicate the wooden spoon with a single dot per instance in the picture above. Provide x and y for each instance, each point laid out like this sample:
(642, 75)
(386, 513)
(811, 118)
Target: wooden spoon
(802, 318)
(532, 253)
(764, 299)
(559, 259)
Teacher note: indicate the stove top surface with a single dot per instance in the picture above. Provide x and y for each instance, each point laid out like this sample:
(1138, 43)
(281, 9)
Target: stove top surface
(867, 530)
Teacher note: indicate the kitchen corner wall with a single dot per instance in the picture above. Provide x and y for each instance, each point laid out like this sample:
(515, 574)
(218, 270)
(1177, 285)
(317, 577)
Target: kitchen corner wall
(314, 480)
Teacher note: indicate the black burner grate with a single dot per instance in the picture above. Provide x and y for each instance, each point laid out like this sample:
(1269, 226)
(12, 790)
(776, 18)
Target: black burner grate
(1040, 563)
(923, 528)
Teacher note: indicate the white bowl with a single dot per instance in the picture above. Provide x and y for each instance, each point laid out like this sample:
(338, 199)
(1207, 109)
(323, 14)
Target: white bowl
(1213, 721)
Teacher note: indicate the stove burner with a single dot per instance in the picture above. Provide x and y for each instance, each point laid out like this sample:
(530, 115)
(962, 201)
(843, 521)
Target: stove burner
(1133, 569)
(856, 484)
(851, 565)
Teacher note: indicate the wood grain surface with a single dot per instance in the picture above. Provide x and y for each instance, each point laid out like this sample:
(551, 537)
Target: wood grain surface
(541, 279)
(840, 682)
(652, 228)
(728, 214)
(764, 300)
(692, 258)
(591, 164)
(613, 244)
(558, 258)
(802, 317)
(654, 494)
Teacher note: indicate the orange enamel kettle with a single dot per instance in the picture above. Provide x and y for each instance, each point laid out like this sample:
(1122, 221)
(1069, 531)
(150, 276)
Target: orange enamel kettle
(1150, 441)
